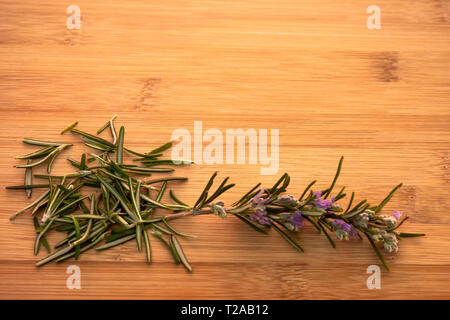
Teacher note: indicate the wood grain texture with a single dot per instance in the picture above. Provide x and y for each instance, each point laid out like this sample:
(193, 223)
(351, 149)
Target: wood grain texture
(312, 69)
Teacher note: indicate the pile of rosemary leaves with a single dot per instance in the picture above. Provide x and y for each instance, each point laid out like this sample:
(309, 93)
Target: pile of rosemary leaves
(123, 206)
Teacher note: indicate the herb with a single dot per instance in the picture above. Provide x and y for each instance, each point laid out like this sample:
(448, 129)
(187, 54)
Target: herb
(73, 125)
(124, 206)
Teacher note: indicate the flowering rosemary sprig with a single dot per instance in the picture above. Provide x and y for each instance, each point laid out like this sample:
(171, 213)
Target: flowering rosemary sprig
(125, 204)
(267, 208)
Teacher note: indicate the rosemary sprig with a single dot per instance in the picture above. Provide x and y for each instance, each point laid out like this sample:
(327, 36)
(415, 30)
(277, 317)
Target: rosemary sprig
(125, 205)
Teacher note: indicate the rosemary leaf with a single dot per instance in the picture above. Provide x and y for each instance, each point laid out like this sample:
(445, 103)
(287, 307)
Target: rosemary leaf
(338, 171)
(41, 234)
(388, 198)
(30, 186)
(379, 255)
(177, 247)
(28, 179)
(288, 238)
(78, 235)
(307, 189)
(244, 198)
(174, 198)
(37, 154)
(326, 234)
(31, 205)
(41, 143)
(148, 250)
(116, 242)
(251, 224)
(73, 125)
(106, 125)
(410, 235)
(120, 140)
(94, 138)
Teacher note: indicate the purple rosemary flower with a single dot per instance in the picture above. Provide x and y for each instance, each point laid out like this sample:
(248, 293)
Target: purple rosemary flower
(287, 200)
(397, 215)
(260, 217)
(348, 228)
(297, 219)
(322, 203)
(257, 199)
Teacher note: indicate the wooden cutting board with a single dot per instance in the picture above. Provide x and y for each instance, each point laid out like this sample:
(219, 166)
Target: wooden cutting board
(313, 70)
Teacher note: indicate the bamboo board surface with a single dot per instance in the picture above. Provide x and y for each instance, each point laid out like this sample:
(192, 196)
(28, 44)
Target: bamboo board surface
(311, 69)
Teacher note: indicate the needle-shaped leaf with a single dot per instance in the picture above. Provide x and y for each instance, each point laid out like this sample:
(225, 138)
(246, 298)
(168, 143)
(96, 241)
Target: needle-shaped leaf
(326, 234)
(388, 198)
(135, 196)
(161, 149)
(75, 163)
(356, 207)
(83, 163)
(134, 152)
(281, 180)
(349, 203)
(162, 229)
(165, 179)
(78, 235)
(28, 180)
(83, 249)
(340, 195)
(38, 229)
(219, 191)
(306, 190)
(338, 171)
(34, 164)
(113, 130)
(54, 256)
(85, 236)
(379, 255)
(31, 186)
(73, 125)
(245, 196)
(38, 154)
(116, 242)
(31, 205)
(97, 147)
(120, 140)
(142, 170)
(410, 235)
(313, 222)
(204, 193)
(150, 163)
(115, 236)
(41, 142)
(177, 247)
(50, 162)
(139, 236)
(175, 231)
(106, 125)
(174, 198)
(94, 138)
(356, 212)
(148, 249)
(161, 191)
(41, 234)
(288, 238)
(249, 223)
